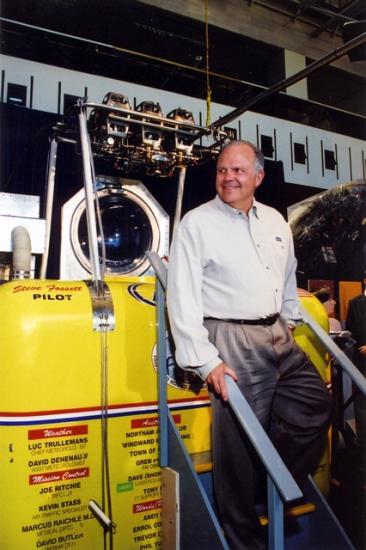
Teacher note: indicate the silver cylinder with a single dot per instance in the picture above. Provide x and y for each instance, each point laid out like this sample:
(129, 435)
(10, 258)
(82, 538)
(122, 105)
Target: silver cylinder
(22, 253)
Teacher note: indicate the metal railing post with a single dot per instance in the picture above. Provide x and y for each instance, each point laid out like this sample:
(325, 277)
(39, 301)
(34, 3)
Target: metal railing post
(275, 517)
(162, 385)
(51, 174)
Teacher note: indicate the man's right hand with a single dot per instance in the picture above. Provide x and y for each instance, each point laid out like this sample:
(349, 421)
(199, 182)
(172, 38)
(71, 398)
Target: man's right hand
(216, 379)
(362, 350)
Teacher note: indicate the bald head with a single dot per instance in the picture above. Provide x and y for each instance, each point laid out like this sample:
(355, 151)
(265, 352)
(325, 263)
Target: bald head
(258, 155)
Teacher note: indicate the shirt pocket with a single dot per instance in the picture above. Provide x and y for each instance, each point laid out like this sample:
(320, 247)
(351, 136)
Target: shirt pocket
(278, 252)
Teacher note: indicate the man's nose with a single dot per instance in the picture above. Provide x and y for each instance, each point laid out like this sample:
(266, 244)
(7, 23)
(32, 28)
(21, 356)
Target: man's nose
(228, 175)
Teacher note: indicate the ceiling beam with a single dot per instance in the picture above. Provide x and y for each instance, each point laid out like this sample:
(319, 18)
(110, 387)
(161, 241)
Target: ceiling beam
(323, 61)
(337, 17)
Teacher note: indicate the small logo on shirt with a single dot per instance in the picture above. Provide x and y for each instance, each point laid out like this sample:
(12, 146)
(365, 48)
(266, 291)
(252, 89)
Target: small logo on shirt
(279, 239)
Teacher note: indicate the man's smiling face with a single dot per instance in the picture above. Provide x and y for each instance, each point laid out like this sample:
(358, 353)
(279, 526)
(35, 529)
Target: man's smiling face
(237, 176)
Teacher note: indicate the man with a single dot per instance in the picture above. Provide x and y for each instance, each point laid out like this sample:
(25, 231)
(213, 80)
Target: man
(356, 324)
(231, 300)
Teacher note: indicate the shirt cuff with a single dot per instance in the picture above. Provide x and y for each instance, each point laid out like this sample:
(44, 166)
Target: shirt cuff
(294, 322)
(205, 370)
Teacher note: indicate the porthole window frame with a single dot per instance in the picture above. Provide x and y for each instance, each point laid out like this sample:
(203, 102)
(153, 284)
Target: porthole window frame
(132, 269)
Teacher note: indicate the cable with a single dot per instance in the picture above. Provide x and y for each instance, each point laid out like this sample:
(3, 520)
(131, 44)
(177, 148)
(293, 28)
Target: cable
(128, 51)
(208, 86)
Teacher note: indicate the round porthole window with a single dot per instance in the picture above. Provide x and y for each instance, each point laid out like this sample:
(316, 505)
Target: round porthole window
(129, 227)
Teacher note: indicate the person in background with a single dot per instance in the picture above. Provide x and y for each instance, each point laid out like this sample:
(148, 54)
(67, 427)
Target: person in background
(345, 342)
(232, 304)
(324, 296)
(356, 324)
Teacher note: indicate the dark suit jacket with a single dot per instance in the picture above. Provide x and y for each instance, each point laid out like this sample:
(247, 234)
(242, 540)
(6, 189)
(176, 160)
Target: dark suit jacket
(356, 324)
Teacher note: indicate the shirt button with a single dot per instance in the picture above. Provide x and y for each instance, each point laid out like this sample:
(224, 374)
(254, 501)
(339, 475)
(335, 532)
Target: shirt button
(258, 245)
(276, 289)
(267, 267)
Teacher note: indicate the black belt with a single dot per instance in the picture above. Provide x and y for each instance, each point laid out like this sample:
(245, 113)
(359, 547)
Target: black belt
(270, 320)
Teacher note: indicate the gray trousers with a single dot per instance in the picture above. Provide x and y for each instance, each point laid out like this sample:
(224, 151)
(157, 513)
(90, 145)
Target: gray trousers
(290, 400)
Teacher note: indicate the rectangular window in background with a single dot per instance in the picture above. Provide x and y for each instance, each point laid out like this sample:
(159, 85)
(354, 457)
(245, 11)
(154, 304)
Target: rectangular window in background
(17, 94)
(69, 101)
(329, 159)
(267, 146)
(299, 153)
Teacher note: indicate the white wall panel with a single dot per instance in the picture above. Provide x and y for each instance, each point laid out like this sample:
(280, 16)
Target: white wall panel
(350, 153)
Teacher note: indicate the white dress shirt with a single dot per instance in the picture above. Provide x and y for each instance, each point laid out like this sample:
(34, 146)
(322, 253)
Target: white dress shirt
(227, 265)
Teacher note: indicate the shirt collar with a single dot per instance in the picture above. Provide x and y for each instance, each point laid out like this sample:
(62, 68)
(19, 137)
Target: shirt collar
(234, 211)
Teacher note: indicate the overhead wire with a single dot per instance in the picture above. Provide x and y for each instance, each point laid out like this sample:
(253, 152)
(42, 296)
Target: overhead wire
(208, 85)
(158, 59)
(131, 52)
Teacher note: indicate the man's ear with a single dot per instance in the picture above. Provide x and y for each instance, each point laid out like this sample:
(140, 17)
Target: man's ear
(259, 177)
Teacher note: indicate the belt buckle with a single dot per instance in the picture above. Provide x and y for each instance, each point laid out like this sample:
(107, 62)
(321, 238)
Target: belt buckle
(272, 319)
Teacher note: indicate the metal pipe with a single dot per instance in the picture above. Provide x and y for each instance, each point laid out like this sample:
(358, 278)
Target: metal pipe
(159, 268)
(162, 374)
(318, 64)
(51, 174)
(180, 192)
(22, 252)
(89, 198)
(172, 123)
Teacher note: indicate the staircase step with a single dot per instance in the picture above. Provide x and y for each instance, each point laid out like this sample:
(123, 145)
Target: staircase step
(202, 462)
(293, 512)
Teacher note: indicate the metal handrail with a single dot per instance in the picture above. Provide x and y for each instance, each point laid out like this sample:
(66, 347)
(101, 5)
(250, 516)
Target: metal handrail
(281, 485)
(323, 336)
(276, 469)
(337, 353)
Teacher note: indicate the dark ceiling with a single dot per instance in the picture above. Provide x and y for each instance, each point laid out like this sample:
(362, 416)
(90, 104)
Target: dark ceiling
(133, 41)
(134, 31)
(130, 41)
(324, 15)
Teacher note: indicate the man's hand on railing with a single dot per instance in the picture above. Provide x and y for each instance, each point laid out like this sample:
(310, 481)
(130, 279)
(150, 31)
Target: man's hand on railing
(216, 379)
